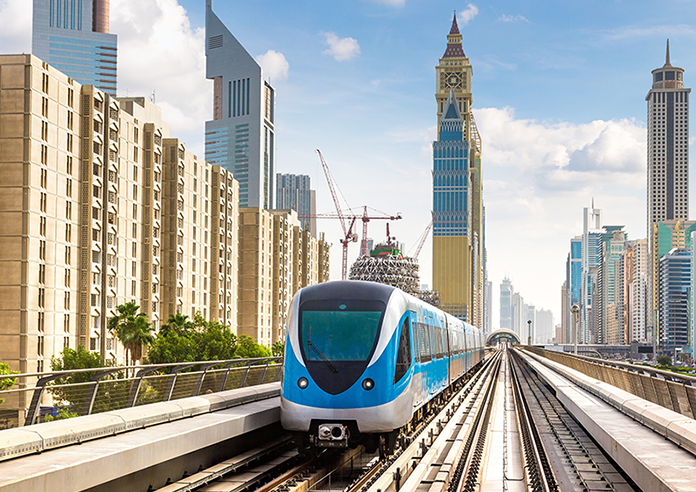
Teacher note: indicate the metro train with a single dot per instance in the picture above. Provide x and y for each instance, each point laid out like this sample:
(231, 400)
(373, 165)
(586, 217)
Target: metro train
(362, 358)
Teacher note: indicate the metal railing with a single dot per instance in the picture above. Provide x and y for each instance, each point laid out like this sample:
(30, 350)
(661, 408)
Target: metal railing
(112, 388)
(677, 392)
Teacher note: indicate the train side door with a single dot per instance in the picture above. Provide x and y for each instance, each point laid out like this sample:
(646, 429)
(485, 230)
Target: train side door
(417, 381)
(448, 352)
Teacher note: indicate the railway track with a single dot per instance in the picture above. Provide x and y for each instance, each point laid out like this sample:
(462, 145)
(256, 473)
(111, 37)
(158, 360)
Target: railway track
(503, 430)
(578, 464)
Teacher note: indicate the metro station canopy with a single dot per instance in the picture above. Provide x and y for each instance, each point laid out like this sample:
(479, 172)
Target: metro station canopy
(502, 334)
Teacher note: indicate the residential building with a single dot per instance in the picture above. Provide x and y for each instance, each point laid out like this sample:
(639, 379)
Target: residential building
(224, 246)
(241, 135)
(458, 227)
(636, 289)
(293, 191)
(101, 207)
(675, 283)
(73, 36)
(188, 233)
(276, 259)
(668, 163)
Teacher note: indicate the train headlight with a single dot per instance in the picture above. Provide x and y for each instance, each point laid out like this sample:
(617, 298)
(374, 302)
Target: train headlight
(368, 384)
(302, 383)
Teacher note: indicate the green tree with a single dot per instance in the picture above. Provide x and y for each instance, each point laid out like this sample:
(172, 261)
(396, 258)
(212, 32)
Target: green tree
(75, 394)
(177, 323)
(132, 329)
(665, 360)
(278, 349)
(190, 341)
(247, 348)
(6, 383)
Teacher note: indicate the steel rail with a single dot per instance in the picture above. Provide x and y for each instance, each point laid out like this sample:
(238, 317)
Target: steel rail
(472, 458)
(538, 470)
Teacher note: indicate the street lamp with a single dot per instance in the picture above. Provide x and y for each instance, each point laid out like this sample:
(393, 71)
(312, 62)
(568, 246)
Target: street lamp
(529, 332)
(575, 310)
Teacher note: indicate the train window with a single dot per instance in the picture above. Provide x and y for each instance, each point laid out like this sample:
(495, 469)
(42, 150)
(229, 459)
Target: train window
(416, 346)
(424, 335)
(437, 336)
(337, 335)
(403, 354)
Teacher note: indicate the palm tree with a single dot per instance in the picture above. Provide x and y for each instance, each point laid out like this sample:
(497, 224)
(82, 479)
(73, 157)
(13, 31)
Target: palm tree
(132, 329)
(177, 323)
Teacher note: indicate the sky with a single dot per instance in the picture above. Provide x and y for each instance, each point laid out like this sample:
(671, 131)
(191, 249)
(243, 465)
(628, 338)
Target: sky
(558, 95)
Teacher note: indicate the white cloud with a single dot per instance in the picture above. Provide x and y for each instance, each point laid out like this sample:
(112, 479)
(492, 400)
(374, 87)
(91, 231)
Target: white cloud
(341, 49)
(274, 64)
(468, 13)
(537, 178)
(15, 26)
(513, 18)
(160, 51)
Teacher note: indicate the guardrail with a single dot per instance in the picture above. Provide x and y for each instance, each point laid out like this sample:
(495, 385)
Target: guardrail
(676, 392)
(112, 388)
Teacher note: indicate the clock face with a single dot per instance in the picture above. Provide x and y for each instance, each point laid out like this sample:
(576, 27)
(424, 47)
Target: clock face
(451, 81)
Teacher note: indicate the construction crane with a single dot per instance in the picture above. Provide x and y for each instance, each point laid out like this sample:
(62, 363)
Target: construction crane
(365, 218)
(421, 240)
(348, 235)
(347, 222)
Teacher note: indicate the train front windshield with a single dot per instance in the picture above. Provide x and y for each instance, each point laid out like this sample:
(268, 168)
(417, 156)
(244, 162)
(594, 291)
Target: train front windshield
(339, 331)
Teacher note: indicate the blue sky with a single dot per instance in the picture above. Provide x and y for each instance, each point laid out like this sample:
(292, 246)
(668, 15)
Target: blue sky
(559, 92)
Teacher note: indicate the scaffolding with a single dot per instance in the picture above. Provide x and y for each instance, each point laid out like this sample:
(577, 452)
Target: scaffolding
(392, 269)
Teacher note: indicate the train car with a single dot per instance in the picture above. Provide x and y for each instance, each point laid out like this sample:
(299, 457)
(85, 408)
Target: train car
(361, 358)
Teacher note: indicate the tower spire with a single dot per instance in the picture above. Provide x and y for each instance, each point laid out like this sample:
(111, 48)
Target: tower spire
(455, 27)
(667, 62)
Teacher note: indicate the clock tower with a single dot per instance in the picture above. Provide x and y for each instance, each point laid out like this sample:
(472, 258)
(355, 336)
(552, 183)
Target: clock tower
(454, 74)
(459, 270)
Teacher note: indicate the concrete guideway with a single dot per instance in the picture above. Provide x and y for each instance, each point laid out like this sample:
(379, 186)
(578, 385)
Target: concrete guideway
(629, 429)
(151, 454)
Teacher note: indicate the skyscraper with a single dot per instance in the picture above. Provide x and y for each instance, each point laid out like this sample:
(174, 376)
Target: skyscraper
(73, 36)
(668, 159)
(591, 233)
(293, 191)
(610, 299)
(675, 281)
(573, 279)
(458, 234)
(506, 291)
(241, 136)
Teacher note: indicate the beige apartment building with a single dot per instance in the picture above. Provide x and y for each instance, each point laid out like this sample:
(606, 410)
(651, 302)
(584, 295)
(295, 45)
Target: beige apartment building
(276, 259)
(99, 207)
